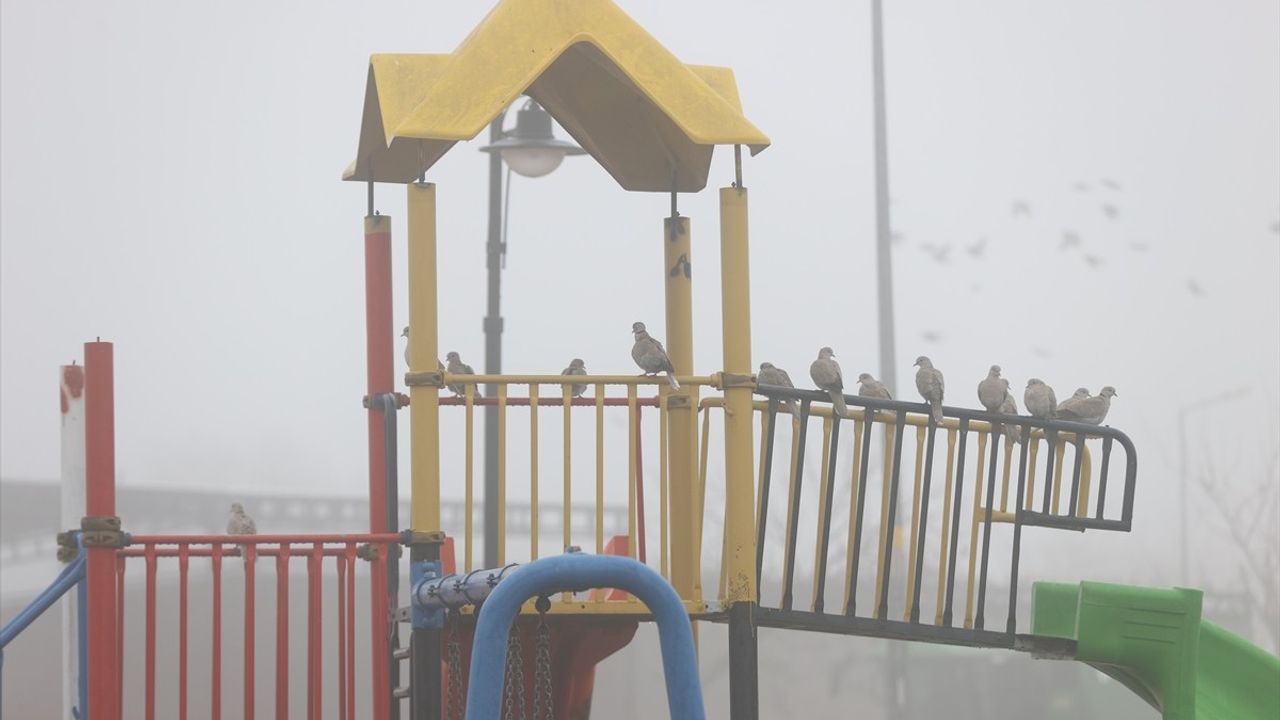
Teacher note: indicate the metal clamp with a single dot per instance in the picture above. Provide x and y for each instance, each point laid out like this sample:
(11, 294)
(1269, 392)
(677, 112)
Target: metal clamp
(414, 537)
(736, 380)
(433, 378)
(678, 401)
(102, 531)
(368, 551)
(68, 548)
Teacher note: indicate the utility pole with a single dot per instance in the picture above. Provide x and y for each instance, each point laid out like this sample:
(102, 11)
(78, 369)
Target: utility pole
(493, 345)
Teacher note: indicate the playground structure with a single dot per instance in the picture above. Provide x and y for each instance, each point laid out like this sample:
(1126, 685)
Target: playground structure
(652, 122)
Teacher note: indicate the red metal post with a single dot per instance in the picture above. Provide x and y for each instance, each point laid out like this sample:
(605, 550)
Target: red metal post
(150, 655)
(342, 637)
(215, 681)
(250, 553)
(379, 358)
(183, 566)
(350, 556)
(315, 649)
(282, 631)
(100, 501)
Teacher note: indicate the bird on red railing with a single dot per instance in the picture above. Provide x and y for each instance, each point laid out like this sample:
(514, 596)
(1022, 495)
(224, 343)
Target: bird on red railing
(651, 356)
(1040, 399)
(771, 375)
(1091, 410)
(825, 373)
(930, 384)
(576, 367)
(457, 367)
(240, 523)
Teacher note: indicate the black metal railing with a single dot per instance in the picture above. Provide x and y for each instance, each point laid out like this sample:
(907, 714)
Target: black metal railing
(1020, 436)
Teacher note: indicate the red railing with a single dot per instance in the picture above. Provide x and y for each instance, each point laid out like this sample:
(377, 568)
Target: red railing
(344, 549)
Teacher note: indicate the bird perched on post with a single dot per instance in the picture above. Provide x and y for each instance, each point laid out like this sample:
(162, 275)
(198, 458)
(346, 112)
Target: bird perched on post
(457, 367)
(1040, 399)
(651, 356)
(931, 386)
(576, 367)
(776, 376)
(1080, 394)
(1092, 410)
(408, 354)
(825, 373)
(870, 387)
(240, 523)
(992, 390)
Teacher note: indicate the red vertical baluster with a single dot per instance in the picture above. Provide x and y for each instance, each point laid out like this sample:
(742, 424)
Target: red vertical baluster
(149, 556)
(342, 636)
(315, 663)
(282, 632)
(183, 563)
(351, 630)
(215, 664)
(119, 673)
(250, 554)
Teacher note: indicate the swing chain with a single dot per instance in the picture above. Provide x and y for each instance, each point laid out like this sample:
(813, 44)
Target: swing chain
(513, 689)
(453, 651)
(542, 685)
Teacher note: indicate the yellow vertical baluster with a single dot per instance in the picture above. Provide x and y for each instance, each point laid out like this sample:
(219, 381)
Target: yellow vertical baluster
(1004, 483)
(889, 432)
(1031, 473)
(822, 502)
(663, 498)
(599, 468)
(469, 476)
(631, 472)
(533, 472)
(1060, 449)
(566, 517)
(915, 521)
(502, 475)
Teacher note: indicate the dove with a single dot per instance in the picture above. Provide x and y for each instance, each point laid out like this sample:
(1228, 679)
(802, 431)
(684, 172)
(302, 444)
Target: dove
(576, 367)
(930, 384)
(408, 355)
(457, 367)
(868, 386)
(776, 376)
(1009, 407)
(825, 373)
(241, 524)
(651, 356)
(992, 389)
(1092, 410)
(1080, 394)
(1039, 399)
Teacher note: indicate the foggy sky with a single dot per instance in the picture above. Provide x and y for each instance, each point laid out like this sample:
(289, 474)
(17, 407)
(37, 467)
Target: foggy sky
(170, 182)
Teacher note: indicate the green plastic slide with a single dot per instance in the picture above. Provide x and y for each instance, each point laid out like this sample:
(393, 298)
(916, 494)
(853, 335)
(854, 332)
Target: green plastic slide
(1153, 641)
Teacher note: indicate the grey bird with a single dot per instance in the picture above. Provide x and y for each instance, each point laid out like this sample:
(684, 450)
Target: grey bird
(1039, 398)
(651, 356)
(930, 384)
(1080, 394)
(772, 375)
(1009, 407)
(992, 389)
(408, 355)
(576, 367)
(825, 373)
(457, 367)
(1092, 410)
(870, 387)
(240, 523)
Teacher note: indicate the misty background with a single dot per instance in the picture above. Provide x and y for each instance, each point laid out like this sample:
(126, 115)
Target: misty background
(1084, 192)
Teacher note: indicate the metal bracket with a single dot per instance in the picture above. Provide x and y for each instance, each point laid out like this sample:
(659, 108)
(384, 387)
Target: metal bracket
(734, 380)
(413, 537)
(678, 401)
(368, 552)
(434, 378)
(420, 572)
(102, 531)
(67, 547)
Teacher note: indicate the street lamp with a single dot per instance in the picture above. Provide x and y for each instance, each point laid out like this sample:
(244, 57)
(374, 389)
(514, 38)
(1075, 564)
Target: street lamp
(532, 150)
(1183, 559)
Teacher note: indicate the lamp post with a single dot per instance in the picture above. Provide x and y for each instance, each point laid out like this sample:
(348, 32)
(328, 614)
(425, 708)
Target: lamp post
(529, 149)
(1184, 571)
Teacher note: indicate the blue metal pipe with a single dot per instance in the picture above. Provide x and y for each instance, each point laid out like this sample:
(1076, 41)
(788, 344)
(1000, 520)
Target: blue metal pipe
(576, 572)
(69, 576)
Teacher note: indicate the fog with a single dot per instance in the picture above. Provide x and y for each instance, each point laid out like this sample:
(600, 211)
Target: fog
(1084, 192)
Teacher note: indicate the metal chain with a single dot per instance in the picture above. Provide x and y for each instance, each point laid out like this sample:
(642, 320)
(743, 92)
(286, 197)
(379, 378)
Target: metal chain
(453, 652)
(543, 706)
(513, 689)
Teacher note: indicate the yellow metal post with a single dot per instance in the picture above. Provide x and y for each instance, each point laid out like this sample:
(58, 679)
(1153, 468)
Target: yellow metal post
(735, 284)
(424, 408)
(681, 408)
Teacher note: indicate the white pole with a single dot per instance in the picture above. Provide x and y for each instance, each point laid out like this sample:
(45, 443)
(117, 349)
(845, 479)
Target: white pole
(72, 509)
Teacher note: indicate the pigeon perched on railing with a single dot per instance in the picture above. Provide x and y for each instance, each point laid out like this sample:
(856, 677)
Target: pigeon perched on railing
(931, 386)
(992, 390)
(241, 524)
(825, 373)
(408, 351)
(870, 387)
(776, 376)
(651, 356)
(457, 367)
(1040, 399)
(1080, 394)
(576, 367)
(1092, 410)
(1010, 407)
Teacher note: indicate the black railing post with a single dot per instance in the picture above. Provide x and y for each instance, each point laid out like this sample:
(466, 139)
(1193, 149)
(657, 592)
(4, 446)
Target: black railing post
(1012, 626)
(820, 587)
(793, 514)
(851, 582)
(955, 522)
(979, 620)
(882, 607)
(923, 530)
(744, 679)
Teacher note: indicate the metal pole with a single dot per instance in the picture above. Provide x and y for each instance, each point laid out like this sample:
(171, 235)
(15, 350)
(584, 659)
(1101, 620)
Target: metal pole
(884, 266)
(72, 392)
(493, 345)
(100, 510)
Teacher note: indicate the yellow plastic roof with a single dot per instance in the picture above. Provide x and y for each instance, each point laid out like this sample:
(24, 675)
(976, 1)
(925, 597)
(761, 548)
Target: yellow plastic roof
(643, 114)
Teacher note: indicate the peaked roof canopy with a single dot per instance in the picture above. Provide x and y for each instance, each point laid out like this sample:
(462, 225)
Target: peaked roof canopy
(644, 115)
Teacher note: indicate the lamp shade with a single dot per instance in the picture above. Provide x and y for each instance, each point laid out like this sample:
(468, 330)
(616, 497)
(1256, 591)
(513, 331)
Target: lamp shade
(530, 149)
